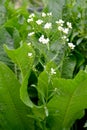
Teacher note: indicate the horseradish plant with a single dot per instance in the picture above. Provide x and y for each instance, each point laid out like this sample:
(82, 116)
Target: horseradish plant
(45, 61)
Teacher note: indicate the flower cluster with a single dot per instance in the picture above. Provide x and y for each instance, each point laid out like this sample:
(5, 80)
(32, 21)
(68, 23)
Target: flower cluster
(48, 14)
(48, 25)
(30, 19)
(39, 21)
(64, 30)
(43, 24)
(29, 54)
(43, 40)
(31, 33)
(53, 71)
(71, 45)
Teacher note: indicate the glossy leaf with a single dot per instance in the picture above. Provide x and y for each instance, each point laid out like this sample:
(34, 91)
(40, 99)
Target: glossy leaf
(69, 102)
(24, 58)
(13, 113)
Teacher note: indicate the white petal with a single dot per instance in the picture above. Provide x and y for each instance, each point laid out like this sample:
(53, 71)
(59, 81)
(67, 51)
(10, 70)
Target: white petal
(29, 54)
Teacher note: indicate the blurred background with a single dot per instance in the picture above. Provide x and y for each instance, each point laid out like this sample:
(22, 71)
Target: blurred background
(30, 4)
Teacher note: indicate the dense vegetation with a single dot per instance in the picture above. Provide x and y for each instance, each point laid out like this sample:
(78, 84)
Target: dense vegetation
(43, 65)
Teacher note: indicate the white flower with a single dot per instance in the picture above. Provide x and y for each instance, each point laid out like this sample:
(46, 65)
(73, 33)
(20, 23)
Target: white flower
(39, 21)
(46, 41)
(48, 25)
(30, 34)
(67, 39)
(65, 30)
(64, 37)
(60, 28)
(71, 45)
(53, 71)
(69, 25)
(49, 14)
(43, 40)
(29, 54)
(60, 22)
(32, 15)
(29, 20)
(29, 44)
(43, 14)
(57, 22)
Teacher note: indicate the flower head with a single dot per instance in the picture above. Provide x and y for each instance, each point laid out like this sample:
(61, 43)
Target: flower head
(29, 44)
(29, 54)
(49, 14)
(60, 28)
(48, 25)
(64, 37)
(43, 40)
(29, 20)
(31, 33)
(71, 45)
(66, 30)
(39, 21)
(43, 14)
(69, 25)
(53, 71)
(60, 22)
(32, 15)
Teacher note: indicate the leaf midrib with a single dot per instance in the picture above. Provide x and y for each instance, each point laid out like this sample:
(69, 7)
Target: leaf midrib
(69, 104)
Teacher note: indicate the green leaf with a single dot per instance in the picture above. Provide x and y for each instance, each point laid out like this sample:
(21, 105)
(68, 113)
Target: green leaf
(80, 59)
(7, 39)
(25, 63)
(2, 14)
(68, 67)
(69, 102)
(45, 81)
(56, 7)
(13, 113)
(16, 38)
(43, 84)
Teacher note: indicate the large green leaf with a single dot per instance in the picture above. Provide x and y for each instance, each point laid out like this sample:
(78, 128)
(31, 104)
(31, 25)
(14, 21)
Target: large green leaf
(13, 113)
(25, 63)
(56, 7)
(69, 102)
(68, 67)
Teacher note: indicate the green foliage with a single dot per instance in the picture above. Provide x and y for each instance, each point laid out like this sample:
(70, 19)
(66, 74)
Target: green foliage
(13, 113)
(25, 62)
(47, 89)
(68, 104)
(56, 7)
(68, 67)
